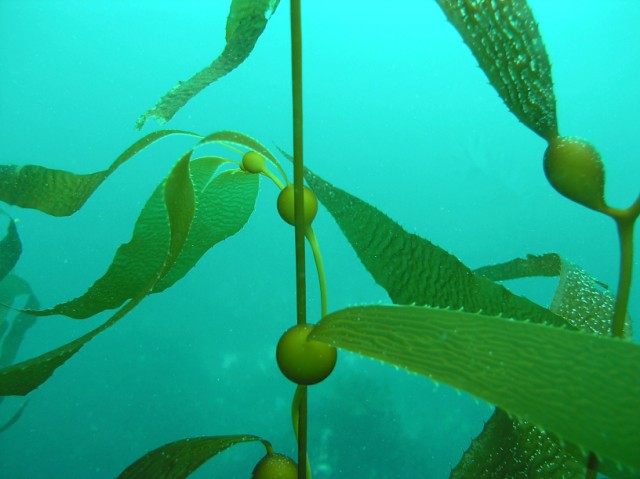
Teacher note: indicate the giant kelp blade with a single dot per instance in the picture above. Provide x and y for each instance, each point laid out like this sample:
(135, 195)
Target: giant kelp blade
(582, 300)
(504, 38)
(549, 264)
(180, 458)
(223, 208)
(508, 447)
(58, 192)
(414, 270)
(14, 418)
(583, 388)
(246, 21)
(139, 261)
(24, 377)
(511, 448)
(10, 249)
(13, 287)
(134, 264)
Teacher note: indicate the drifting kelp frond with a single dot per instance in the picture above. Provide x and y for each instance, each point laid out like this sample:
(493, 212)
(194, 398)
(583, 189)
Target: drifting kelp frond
(566, 382)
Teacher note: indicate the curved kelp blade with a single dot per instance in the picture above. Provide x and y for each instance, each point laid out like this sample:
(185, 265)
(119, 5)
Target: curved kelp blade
(59, 192)
(515, 448)
(582, 300)
(505, 40)
(10, 248)
(14, 418)
(566, 382)
(179, 459)
(24, 377)
(223, 208)
(137, 262)
(508, 447)
(13, 330)
(412, 269)
(246, 21)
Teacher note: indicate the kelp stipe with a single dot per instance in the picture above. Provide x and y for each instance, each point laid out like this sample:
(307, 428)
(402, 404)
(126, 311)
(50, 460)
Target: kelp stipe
(450, 323)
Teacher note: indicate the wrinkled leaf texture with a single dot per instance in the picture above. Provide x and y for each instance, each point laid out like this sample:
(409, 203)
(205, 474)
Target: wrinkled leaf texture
(246, 21)
(504, 38)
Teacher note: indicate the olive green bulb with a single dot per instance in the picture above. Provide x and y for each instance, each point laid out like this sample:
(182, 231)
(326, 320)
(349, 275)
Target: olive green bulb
(275, 466)
(286, 205)
(253, 162)
(574, 168)
(303, 360)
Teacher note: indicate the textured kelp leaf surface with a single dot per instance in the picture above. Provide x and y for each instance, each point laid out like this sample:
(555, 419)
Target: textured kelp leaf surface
(246, 21)
(10, 248)
(566, 382)
(59, 192)
(585, 303)
(24, 377)
(179, 459)
(412, 269)
(223, 208)
(507, 447)
(504, 38)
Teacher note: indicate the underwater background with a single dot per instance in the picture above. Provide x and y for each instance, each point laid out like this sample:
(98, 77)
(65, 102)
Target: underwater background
(397, 112)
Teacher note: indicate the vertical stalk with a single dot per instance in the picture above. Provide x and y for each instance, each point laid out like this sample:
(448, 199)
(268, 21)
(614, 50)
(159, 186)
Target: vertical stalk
(298, 163)
(625, 225)
(298, 170)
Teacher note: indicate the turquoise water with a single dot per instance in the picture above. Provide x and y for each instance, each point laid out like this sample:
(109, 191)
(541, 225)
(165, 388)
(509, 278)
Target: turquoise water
(396, 111)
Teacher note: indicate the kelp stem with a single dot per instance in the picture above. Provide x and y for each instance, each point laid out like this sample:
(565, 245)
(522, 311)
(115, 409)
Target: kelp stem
(625, 221)
(322, 279)
(298, 170)
(298, 162)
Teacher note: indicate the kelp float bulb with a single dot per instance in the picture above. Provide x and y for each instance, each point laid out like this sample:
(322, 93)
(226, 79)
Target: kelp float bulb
(574, 168)
(275, 466)
(286, 205)
(253, 162)
(303, 360)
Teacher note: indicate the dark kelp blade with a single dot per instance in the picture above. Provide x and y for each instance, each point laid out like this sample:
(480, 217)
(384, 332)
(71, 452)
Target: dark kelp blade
(508, 447)
(178, 459)
(582, 300)
(505, 40)
(246, 21)
(10, 248)
(58, 192)
(14, 418)
(22, 378)
(566, 382)
(412, 269)
(11, 288)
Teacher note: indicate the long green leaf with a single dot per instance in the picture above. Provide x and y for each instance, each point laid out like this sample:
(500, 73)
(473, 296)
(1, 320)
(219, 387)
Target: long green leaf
(515, 448)
(59, 192)
(24, 377)
(415, 271)
(581, 387)
(180, 458)
(504, 38)
(11, 288)
(10, 249)
(508, 447)
(246, 21)
(223, 208)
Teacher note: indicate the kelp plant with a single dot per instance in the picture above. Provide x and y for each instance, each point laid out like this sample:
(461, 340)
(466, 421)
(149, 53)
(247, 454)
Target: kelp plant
(566, 408)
